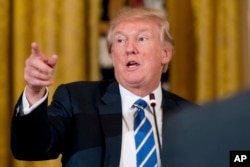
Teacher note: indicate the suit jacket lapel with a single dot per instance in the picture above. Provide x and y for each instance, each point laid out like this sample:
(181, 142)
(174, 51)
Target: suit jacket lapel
(111, 120)
(168, 105)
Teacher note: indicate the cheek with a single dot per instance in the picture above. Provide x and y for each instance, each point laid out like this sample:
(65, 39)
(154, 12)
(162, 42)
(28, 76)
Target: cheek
(116, 60)
(156, 57)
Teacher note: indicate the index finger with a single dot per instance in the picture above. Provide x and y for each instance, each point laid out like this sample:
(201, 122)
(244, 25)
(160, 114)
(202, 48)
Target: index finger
(35, 49)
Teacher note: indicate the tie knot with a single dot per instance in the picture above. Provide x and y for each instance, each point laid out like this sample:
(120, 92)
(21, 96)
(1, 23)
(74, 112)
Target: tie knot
(140, 103)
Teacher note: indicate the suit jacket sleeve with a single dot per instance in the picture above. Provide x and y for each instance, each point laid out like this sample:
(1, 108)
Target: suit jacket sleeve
(70, 125)
(32, 137)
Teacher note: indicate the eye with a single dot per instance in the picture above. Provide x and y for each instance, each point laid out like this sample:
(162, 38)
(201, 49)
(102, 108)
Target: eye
(120, 40)
(142, 39)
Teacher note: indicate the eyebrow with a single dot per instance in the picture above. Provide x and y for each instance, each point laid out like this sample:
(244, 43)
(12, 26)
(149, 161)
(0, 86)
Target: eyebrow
(140, 31)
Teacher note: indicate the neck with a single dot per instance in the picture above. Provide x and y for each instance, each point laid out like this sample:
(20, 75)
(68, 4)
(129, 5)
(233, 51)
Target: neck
(140, 90)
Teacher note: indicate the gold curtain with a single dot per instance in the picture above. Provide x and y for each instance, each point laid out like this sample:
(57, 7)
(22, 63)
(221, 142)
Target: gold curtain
(4, 83)
(68, 28)
(207, 63)
(183, 64)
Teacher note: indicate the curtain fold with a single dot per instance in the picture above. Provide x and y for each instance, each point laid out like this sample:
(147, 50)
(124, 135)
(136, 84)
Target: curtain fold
(207, 64)
(219, 51)
(94, 18)
(182, 69)
(4, 83)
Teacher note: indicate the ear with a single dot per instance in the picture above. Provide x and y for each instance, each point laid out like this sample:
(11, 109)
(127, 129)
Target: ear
(166, 55)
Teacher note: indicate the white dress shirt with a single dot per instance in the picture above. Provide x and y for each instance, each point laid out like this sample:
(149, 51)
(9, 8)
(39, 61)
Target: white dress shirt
(128, 151)
(26, 107)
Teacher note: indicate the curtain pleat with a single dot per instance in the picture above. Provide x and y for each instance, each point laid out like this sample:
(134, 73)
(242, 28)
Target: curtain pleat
(93, 16)
(205, 53)
(20, 44)
(217, 30)
(207, 64)
(182, 69)
(5, 97)
(228, 47)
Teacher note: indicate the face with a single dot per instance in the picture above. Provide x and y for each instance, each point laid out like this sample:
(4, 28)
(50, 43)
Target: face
(138, 54)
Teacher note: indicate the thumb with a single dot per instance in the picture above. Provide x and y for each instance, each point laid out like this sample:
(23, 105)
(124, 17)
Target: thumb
(51, 61)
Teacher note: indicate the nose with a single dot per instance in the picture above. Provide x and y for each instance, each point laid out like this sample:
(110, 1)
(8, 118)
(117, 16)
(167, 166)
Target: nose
(131, 48)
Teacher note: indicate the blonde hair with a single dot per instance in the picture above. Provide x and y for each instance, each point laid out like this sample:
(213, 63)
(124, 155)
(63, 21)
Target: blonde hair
(130, 14)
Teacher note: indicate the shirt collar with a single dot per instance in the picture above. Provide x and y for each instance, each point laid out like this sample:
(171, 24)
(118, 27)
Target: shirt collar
(128, 98)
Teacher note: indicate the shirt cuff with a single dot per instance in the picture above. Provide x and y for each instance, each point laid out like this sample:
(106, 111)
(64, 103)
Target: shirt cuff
(26, 107)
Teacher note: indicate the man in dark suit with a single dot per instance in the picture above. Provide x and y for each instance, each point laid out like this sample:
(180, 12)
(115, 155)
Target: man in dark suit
(89, 123)
(204, 137)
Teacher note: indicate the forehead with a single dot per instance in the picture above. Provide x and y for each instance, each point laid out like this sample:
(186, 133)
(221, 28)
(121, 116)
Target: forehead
(137, 25)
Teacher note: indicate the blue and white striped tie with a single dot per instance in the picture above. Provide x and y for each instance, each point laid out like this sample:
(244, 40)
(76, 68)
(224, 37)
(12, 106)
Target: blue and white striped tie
(144, 137)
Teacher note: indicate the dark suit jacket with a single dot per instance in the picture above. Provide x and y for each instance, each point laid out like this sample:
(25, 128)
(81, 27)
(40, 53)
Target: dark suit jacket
(83, 123)
(204, 137)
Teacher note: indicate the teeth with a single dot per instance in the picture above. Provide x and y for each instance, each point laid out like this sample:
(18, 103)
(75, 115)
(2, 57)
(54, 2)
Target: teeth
(131, 66)
(132, 63)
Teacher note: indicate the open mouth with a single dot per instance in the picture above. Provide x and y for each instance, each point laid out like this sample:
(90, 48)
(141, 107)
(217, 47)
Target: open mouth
(132, 64)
